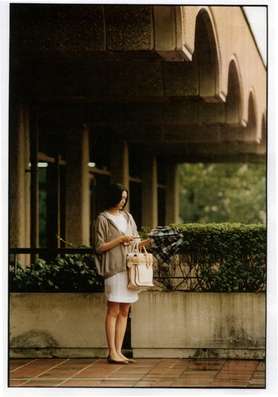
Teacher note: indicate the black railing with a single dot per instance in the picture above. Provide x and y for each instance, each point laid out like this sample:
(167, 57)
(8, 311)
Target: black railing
(181, 274)
(44, 251)
(51, 253)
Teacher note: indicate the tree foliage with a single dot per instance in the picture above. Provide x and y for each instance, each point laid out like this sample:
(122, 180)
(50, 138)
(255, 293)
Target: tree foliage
(223, 193)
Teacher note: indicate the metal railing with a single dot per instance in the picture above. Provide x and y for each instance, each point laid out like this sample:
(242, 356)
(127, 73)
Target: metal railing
(180, 274)
(44, 251)
(160, 279)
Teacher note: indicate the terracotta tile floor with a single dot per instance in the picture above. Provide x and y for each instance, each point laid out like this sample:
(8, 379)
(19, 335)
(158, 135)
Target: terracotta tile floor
(144, 373)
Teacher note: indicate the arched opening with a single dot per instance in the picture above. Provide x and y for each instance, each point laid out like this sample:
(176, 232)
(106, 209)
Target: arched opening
(252, 118)
(205, 57)
(263, 130)
(233, 101)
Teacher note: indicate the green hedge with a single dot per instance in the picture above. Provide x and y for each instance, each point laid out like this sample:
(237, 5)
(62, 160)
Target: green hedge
(67, 273)
(225, 257)
(218, 257)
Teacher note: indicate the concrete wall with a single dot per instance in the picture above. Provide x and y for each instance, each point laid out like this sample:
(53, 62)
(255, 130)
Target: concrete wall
(163, 324)
(199, 325)
(57, 324)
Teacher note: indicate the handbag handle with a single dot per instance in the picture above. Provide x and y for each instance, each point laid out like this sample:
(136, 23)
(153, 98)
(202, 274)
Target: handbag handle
(136, 246)
(142, 249)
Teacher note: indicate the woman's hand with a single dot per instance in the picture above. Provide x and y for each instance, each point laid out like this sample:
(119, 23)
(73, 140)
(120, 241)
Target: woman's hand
(144, 243)
(127, 239)
(124, 239)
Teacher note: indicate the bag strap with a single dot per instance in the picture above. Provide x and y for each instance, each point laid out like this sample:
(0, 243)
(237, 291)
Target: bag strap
(135, 244)
(144, 249)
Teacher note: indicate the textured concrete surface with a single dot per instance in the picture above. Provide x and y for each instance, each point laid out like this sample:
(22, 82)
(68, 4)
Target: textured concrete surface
(163, 324)
(204, 321)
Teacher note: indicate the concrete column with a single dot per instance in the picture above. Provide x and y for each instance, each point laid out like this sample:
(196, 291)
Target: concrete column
(19, 181)
(172, 194)
(149, 189)
(120, 164)
(77, 187)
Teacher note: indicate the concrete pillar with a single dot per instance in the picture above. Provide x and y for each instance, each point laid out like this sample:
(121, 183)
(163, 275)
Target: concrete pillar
(120, 164)
(172, 194)
(149, 189)
(19, 181)
(77, 187)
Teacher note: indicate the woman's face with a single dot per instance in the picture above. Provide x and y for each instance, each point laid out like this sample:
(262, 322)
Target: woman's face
(121, 204)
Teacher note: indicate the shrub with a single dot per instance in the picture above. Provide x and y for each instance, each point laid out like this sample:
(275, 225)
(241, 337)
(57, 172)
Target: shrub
(68, 273)
(220, 257)
(214, 257)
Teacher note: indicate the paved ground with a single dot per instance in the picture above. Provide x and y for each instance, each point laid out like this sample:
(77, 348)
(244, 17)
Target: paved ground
(144, 373)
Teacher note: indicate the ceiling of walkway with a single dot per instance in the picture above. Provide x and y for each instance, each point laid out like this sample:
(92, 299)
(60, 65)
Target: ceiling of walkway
(111, 67)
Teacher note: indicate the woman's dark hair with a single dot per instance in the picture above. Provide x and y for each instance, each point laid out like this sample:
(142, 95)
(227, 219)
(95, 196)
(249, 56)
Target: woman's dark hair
(114, 195)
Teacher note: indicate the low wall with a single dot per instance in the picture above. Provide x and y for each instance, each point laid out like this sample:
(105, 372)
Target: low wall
(57, 325)
(163, 324)
(198, 324)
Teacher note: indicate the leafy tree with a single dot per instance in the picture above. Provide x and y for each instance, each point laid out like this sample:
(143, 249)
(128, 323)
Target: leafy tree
(223, 193)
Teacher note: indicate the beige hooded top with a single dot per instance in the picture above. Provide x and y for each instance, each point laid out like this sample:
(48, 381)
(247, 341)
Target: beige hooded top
(112, 261)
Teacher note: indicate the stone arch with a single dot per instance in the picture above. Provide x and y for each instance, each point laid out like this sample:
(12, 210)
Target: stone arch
(252, 117)
(234, 99)
(206, 56)
(263, 130)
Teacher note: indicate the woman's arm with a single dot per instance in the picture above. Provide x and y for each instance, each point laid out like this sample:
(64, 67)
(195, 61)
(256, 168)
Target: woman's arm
(142, 243)
(113, 243)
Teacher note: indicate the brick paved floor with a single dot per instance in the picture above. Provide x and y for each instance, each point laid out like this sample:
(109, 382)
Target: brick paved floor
(145, 372)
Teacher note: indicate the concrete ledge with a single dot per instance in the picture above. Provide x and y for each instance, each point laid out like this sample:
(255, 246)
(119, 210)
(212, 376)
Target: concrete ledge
(163, 324)
(249, 354)
(58, 352)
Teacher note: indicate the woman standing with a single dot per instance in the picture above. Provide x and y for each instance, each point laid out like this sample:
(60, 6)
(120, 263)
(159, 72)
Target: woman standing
(115, 230)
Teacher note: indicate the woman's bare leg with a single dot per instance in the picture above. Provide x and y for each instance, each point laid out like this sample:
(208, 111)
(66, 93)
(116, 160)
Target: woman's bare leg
(121, 324)
(113, 309)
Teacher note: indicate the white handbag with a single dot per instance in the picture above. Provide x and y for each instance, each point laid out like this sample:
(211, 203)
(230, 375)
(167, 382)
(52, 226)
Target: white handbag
(139, 268)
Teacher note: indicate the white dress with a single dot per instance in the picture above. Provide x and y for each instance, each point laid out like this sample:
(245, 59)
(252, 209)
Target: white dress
(115, 287)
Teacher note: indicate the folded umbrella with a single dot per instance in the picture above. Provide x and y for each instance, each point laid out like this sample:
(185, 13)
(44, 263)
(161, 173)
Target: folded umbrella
(166, 241)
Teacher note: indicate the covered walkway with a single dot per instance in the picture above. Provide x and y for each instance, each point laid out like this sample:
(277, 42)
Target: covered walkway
(146, 372)
(124, 93)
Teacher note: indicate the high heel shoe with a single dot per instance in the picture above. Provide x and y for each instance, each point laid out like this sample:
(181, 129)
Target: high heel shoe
(111, 361)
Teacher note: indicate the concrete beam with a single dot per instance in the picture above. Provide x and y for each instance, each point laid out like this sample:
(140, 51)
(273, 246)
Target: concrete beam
(99, 79)
(209, 152)
(183, 122)
(182, 134)
(183, 111)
